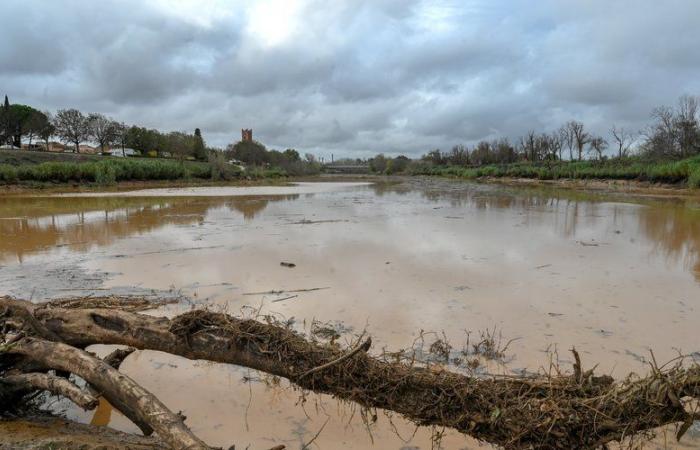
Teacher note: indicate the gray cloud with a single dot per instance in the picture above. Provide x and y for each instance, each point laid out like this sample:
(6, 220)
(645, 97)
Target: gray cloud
(353, 77)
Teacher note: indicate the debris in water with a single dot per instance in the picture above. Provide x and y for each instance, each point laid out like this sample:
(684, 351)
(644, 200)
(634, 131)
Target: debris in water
(284, 298)
(282, 291)
(287, 264)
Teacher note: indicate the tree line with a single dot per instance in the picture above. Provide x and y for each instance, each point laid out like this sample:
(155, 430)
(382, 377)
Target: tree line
(73, 127)
(673, 134)
(254, 153)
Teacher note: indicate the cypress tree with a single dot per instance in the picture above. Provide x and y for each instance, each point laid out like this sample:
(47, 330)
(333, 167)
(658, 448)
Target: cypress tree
(199, 149)
(5, 122)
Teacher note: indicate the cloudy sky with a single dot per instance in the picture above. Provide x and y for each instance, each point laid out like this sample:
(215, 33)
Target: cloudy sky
(353, 78)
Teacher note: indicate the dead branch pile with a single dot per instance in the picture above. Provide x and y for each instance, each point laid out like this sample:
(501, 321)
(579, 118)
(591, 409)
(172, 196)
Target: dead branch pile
(578, 410)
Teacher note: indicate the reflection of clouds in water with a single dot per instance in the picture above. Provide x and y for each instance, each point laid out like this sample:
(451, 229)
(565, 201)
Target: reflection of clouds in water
(671, 226)
(29, 225)
(489, 217)
(460, 256)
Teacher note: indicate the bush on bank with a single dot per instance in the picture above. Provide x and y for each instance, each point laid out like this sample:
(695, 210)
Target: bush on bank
(683, 171)
(103, 172)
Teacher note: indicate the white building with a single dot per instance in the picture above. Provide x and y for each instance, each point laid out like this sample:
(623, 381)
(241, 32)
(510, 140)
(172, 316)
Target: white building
(127, 152)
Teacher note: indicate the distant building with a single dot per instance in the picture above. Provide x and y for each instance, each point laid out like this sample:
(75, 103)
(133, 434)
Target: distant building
(83, 148)
(247, 134)
(116, 151)
(54, 147)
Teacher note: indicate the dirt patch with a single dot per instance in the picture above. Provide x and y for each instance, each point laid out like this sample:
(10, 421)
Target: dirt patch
(56, 433)
(638, 188)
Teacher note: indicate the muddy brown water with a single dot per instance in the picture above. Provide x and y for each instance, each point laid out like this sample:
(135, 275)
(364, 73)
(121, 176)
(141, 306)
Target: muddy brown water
(612, 275)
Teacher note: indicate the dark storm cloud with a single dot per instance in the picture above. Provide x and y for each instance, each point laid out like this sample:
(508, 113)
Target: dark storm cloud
(353, 77)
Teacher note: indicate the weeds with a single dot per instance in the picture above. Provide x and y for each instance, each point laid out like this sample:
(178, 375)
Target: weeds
(220, 169)
(490, 345)
(442, 349)
(107, 171)
(684, 171)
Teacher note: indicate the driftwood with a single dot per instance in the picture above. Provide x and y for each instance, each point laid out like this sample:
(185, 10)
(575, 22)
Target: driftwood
(118, 389)
(552, 412)
(27, 382)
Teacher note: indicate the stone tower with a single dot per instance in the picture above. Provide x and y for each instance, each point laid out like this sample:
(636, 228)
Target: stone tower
(247, 134)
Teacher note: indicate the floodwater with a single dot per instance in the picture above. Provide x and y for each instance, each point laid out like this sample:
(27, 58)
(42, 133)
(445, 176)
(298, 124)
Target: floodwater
(612, 275)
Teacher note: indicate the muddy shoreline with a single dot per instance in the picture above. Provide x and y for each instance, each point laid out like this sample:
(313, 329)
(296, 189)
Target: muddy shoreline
(633, 187)
(60, 188)
(54, 433)
(638, 188)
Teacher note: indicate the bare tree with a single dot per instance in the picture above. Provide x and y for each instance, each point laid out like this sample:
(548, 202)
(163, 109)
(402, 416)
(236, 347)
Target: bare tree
(459, 156)
(568, 139)
(103, 130)
(528, 145)
(503, 152)
(662, 136)
(47, 130)
(556, 143)
(579, 137)
(72, 127)
(623, 140)
(598, 145)
(122, 133)
(686, 125)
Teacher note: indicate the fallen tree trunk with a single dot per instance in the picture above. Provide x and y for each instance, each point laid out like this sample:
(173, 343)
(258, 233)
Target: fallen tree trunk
(579, 411)
(118, 389)
(60, 386)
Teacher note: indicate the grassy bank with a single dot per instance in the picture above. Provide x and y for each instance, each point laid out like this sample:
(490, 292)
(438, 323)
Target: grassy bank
(685, 172)
(40, 169)
(106, 171)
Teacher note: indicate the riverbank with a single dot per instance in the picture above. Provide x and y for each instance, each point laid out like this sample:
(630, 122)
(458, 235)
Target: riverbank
(683, 173)
(131, 185)
(631, 187)
(623, 187)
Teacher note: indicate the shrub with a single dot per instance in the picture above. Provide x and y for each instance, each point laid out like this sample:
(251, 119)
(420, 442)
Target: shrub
(694, 178)
(105, 174)
(8, 174)
(220, 169)
(106, 171)
(628, 169)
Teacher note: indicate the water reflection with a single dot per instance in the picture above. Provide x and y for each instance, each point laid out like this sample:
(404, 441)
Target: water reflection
(672, 225)
(34, 224)
(29, 225)
(550, 267)
(675, 233)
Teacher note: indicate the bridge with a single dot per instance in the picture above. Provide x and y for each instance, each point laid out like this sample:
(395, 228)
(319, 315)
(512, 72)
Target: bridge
(346, 168)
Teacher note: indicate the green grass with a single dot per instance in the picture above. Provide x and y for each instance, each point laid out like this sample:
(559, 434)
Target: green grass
(686, 171)
(106, 171)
